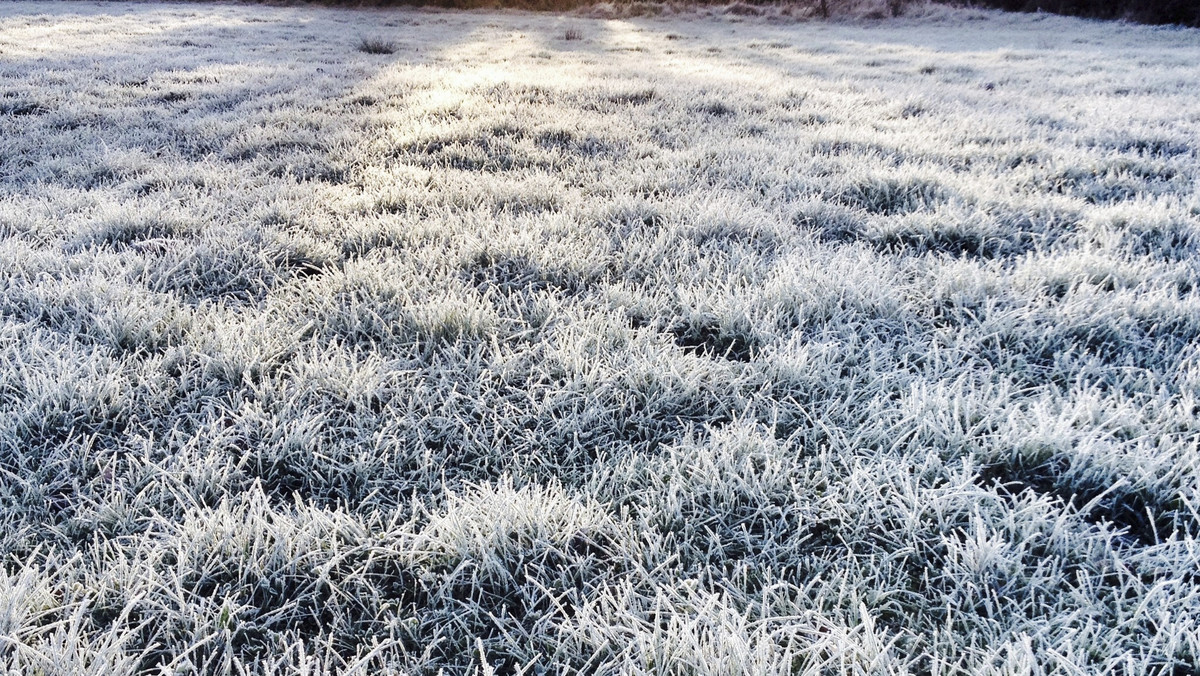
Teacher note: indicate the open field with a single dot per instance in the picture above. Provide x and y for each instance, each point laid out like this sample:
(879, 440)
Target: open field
(398, 341)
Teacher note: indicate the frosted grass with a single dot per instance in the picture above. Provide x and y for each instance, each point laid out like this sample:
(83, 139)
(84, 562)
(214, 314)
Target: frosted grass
(698, 344)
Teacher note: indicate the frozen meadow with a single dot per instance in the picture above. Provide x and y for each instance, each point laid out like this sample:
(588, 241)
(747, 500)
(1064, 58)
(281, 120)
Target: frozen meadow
(365, 341)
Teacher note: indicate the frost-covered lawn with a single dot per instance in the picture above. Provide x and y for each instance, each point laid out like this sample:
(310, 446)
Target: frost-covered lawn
(694, 345)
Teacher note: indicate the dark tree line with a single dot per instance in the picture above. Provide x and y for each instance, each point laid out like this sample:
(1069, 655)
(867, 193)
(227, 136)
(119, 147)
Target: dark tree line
(1185, 12)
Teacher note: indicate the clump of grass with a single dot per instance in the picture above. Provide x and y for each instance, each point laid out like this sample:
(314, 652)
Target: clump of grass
(376, 46)
(21, 108)
(573, 34)
(635, 97)
(891, 195)
(716, 109)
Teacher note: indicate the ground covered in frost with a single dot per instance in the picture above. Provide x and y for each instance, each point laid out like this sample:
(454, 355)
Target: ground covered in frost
(400, 341)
